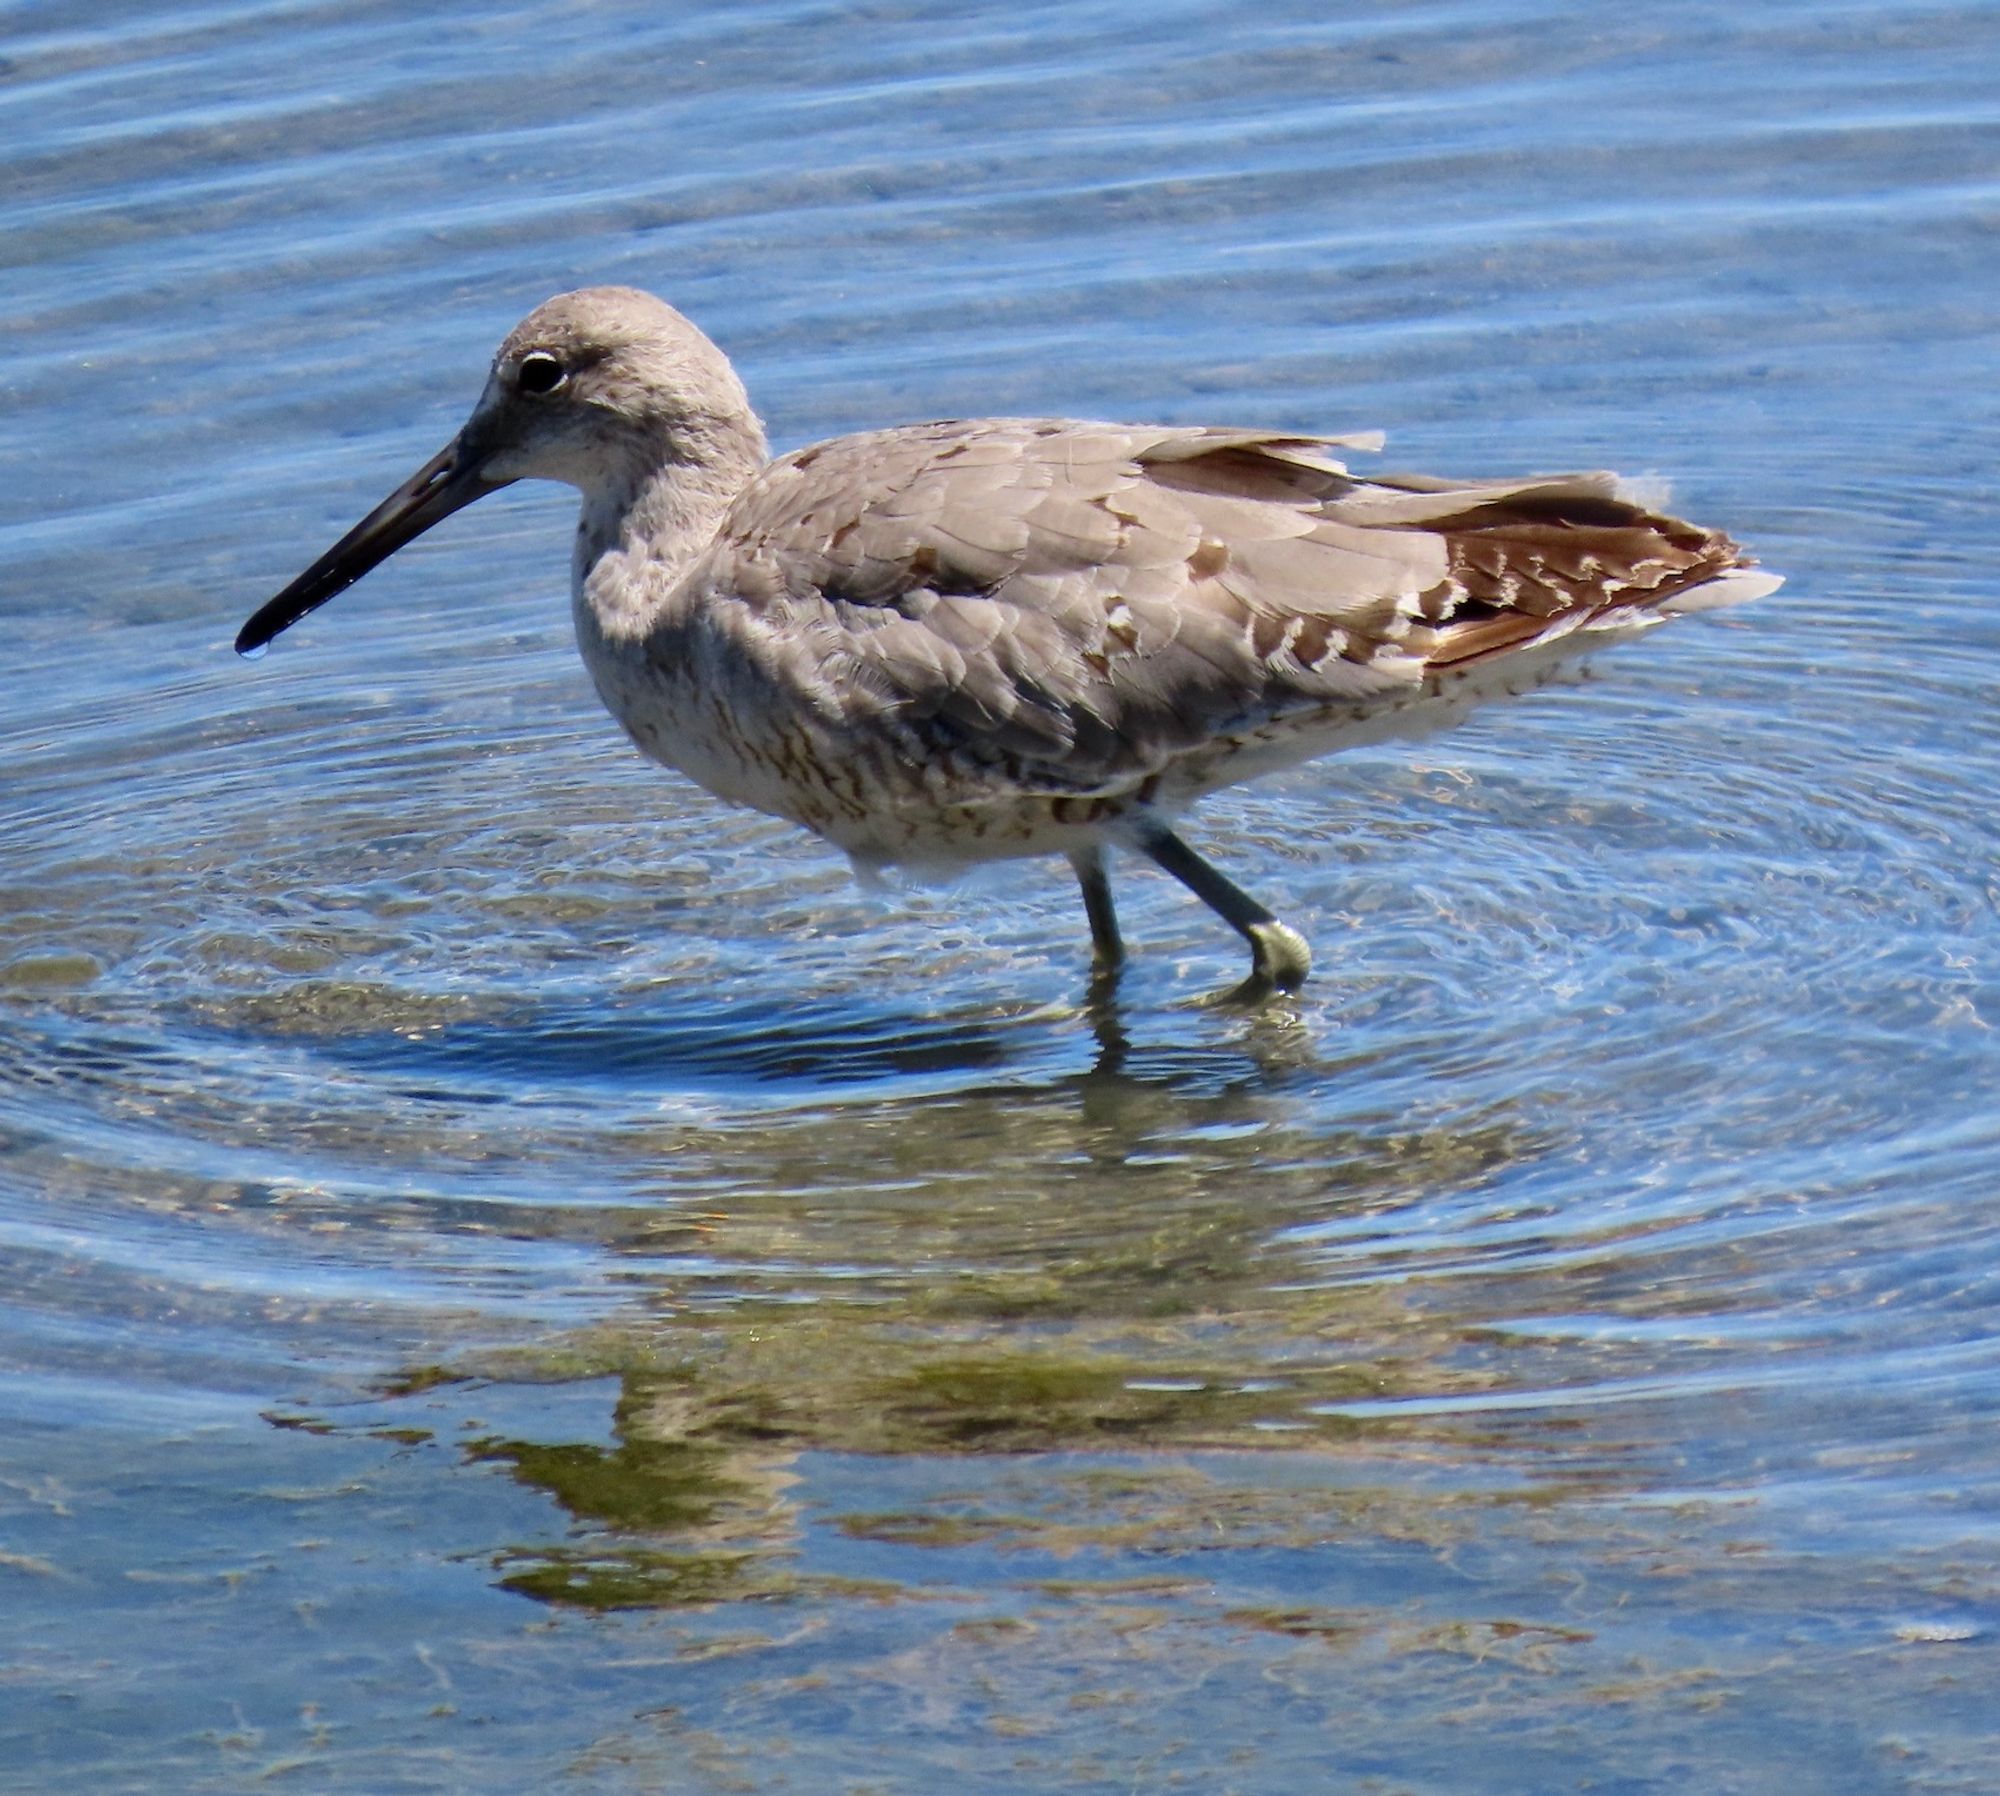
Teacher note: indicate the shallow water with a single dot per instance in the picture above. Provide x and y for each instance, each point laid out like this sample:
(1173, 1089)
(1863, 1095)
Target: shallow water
(517, 1278)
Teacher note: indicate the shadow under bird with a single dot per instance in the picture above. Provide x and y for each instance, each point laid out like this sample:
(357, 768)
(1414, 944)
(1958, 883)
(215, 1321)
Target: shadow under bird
(970, 640)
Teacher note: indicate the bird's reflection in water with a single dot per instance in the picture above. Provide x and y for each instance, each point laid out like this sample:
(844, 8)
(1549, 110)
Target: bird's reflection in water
(1273, 1038)
(883, 1264)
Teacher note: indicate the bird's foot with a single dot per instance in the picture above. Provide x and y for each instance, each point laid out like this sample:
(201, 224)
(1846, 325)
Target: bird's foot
(1280, 959)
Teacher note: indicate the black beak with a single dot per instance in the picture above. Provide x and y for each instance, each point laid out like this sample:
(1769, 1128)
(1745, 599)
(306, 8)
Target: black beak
(446, 483)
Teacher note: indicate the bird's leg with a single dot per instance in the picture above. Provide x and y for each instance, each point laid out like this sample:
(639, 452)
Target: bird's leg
(1107, 948)
(1279, 957)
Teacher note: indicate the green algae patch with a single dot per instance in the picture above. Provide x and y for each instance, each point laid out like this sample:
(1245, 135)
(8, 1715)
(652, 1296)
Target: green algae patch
(414, 1380)
(1334, 1628)
(1018, 1402)
(638, 1485)
(633, 1577)
(1167, 1507)
(53, 971)
(931, 1530)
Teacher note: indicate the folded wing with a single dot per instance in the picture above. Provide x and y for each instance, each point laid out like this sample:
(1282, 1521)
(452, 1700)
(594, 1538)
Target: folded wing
(1083, 604)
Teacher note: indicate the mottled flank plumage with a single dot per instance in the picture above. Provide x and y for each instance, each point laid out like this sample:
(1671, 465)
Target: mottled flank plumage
(976, 639)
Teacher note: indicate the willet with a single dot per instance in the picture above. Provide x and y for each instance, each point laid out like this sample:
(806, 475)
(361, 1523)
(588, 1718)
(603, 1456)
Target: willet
(977, 639)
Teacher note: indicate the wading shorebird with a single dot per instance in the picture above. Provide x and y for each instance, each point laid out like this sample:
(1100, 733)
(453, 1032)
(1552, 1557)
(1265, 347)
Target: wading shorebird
(964, 641)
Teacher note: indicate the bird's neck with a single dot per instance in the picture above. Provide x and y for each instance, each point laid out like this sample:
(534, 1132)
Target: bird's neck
(644, 527)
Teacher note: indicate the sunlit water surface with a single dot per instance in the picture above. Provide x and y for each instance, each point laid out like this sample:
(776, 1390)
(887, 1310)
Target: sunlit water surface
(516, 1278)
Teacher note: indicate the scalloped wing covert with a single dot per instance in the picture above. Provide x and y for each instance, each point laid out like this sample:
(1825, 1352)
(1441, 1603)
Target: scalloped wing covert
(1082, 604)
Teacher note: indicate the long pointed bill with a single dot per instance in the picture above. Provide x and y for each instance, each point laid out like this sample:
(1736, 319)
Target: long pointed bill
(444, 484)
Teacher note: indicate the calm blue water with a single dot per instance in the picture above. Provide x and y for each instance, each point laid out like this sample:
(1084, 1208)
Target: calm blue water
(515, 1278)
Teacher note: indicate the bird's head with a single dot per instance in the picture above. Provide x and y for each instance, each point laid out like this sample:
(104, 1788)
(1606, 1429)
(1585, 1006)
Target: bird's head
(598, 389)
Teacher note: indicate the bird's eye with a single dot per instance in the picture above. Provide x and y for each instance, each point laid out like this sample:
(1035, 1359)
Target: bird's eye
(540, 372)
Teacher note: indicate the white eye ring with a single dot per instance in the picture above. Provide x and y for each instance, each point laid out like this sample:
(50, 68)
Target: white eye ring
(540, 372)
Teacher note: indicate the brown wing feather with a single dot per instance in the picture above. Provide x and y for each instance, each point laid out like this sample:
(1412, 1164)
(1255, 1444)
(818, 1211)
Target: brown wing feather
(1535, 558)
